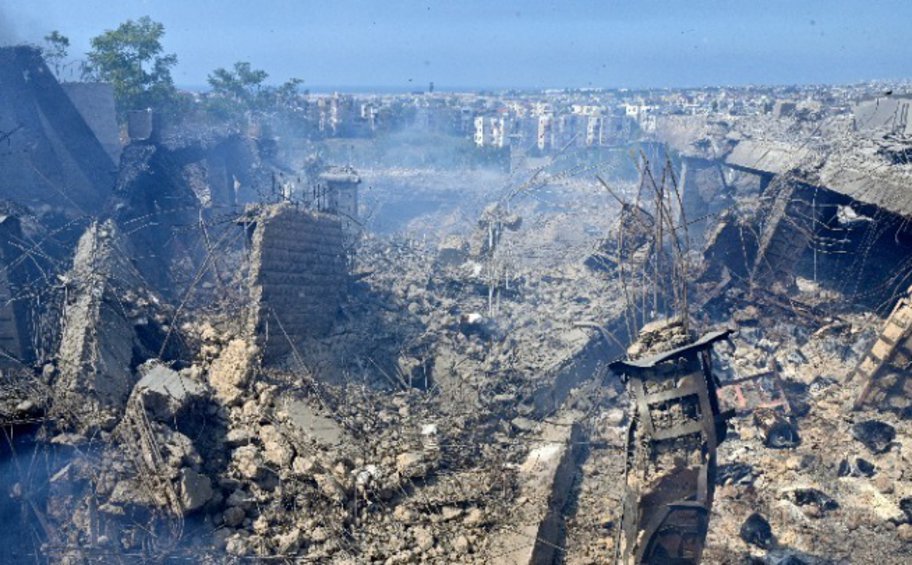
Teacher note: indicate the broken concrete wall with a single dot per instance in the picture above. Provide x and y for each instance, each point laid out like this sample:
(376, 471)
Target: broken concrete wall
(631, 241)
(95, 102)
(297, 277)
(788, 229)
(588, 356)
(231, 168)
(545, 478)
(111, 322)
(169, 196)
(883, 115)
(731, 244)
(51, 160)
(160, 214)
(703, 192)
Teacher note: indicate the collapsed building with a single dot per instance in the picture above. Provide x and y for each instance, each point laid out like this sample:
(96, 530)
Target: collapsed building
(220, 363)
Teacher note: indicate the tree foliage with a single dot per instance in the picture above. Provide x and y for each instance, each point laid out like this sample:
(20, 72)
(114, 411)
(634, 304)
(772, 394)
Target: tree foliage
(131, 58)
(55, 50)
(243, 84)
(242, 89)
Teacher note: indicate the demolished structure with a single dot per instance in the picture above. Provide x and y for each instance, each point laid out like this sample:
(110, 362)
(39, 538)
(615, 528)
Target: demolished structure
(297, 277)
(216, 357)
(883, 373)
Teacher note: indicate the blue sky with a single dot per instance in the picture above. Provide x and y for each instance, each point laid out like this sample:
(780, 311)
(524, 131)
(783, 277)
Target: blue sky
(472, 43)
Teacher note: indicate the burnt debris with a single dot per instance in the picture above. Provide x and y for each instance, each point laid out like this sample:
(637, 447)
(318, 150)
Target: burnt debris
(516, 328)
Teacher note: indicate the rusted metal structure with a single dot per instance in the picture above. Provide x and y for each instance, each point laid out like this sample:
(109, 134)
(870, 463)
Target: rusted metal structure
(671, 454)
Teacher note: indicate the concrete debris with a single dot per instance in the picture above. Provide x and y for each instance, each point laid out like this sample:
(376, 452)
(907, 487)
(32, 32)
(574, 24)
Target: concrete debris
(109, 320)
(225, 349)
(231, 371)
(167, 394)
(195, 490)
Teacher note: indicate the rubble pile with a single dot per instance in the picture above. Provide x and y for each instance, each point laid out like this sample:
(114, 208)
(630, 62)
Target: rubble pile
(219, 351)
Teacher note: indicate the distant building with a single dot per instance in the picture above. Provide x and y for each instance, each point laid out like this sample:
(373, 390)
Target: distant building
(491, 131)
(594, 130)
(784, 108)
(336, 115)
(545, 135)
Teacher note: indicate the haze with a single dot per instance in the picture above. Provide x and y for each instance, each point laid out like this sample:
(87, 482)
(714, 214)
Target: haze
(472, 44)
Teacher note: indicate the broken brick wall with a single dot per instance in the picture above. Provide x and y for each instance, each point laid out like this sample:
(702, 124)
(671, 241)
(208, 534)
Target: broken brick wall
(297, 277)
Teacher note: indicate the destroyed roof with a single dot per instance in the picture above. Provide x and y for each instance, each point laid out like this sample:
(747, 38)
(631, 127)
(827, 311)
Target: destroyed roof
(767, 156)
(850, 170)
(883, 115)
(627, 365)
(869, 182)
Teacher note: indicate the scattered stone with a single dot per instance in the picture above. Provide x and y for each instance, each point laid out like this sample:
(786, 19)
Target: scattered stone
(247, 461)
(233, 516)
(821, 384)
(195, 489)
(778, 432)
(756, 530)
(166, 393)
(904, 532)
(276, 448)
(424, 539)
(232, 370)
(461, 544)
(288, 543)
(877, 436)
(412, 464)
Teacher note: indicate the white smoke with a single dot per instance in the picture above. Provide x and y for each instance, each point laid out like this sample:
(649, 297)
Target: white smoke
(8, 34)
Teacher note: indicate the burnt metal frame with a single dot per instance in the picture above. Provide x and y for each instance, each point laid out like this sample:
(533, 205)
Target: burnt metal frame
(691, 365)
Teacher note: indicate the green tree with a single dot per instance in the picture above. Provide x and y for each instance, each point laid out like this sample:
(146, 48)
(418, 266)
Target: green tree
(241, 90)
(131, 58)
(55, 50)
(243, 84)
(286, 94)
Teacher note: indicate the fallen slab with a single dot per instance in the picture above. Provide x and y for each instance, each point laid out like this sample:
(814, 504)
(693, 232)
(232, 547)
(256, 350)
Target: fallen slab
(545, 478)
